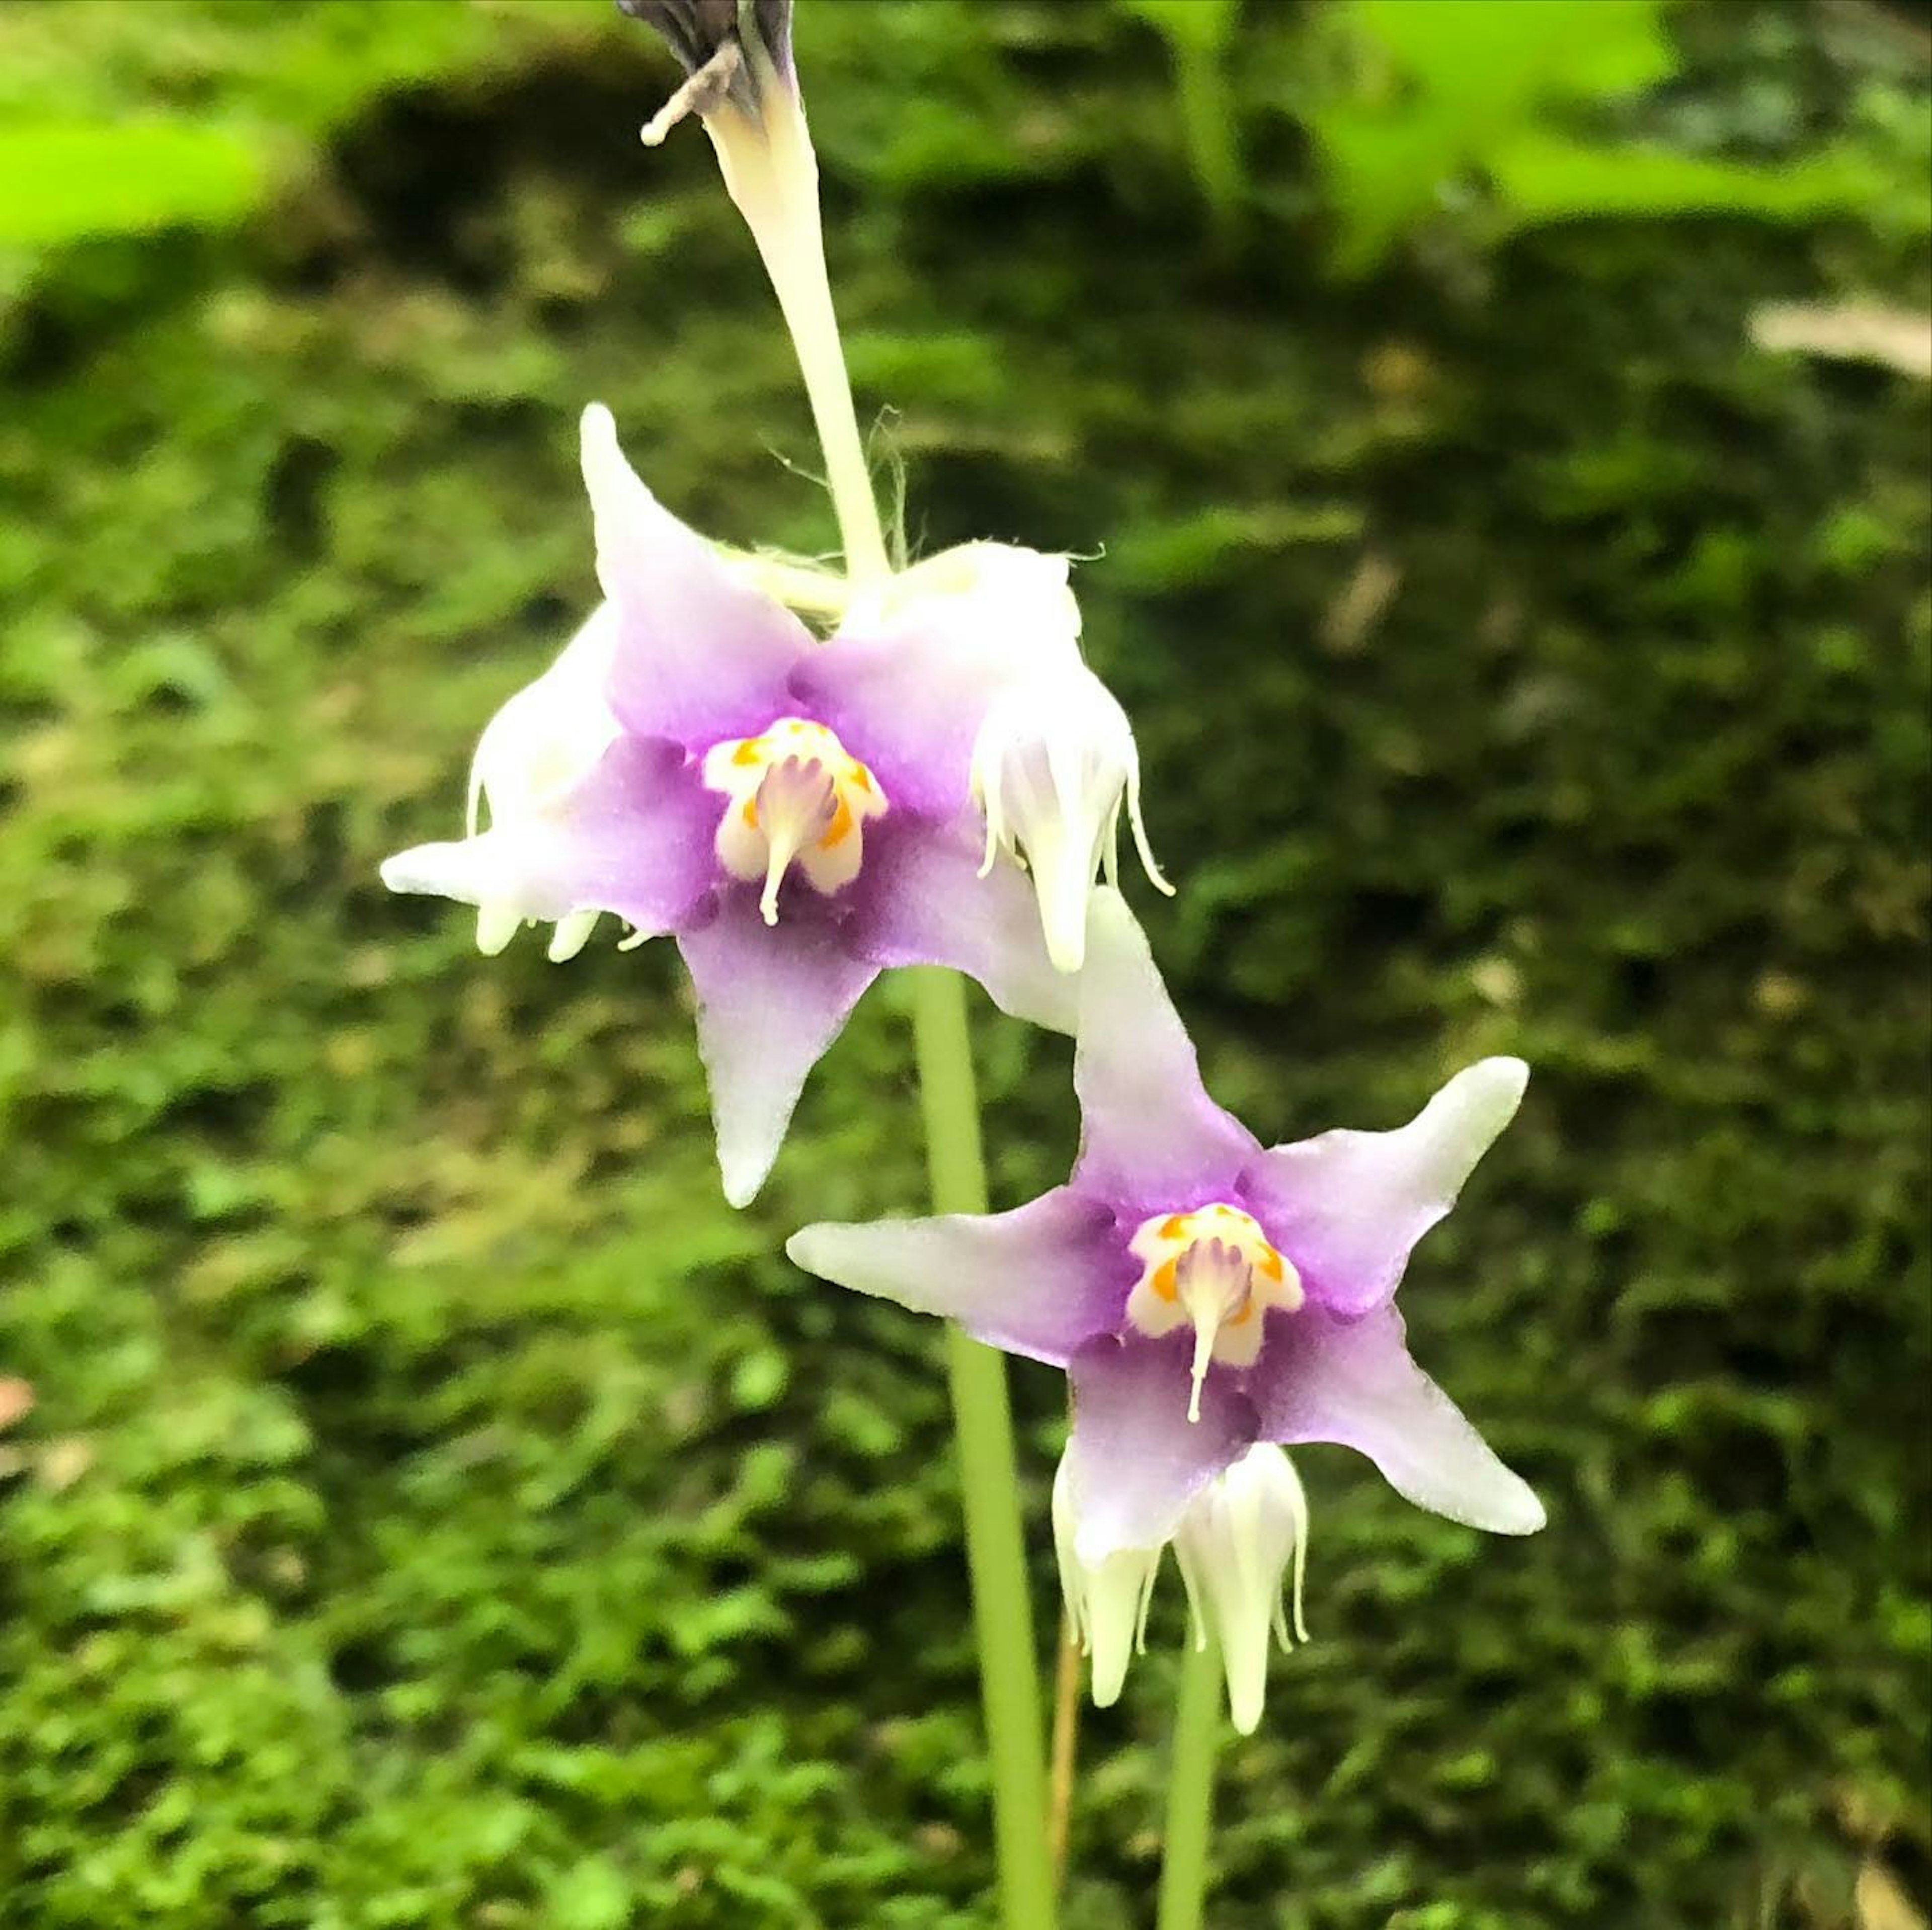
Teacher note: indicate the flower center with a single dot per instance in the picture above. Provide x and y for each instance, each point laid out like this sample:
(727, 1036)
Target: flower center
(1214, 1269)
(797, 796)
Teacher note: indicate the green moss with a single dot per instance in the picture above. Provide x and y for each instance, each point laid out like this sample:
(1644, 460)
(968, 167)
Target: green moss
(439, 1510)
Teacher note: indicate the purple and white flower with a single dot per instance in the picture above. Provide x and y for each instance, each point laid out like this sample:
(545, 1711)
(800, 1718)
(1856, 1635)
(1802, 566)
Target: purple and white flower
(1204, 1293)
(797, 814)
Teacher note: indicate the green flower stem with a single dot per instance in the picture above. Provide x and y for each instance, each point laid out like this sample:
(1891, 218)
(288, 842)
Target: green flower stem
(982, 1423)
(1190, 1790)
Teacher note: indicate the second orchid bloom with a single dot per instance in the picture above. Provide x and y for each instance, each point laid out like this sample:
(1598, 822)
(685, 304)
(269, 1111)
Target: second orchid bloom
(1209, 1298)
(799, 815)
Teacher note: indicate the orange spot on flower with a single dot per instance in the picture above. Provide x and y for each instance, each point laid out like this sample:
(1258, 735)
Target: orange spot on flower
(841, 823)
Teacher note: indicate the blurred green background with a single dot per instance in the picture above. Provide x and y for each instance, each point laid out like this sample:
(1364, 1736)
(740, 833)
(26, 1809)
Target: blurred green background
(1496, 430)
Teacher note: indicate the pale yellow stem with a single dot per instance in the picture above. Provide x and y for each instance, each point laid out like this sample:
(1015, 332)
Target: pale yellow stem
(773, 173)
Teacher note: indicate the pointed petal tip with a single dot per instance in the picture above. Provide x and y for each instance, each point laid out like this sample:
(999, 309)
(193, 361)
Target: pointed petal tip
(808, 1248)
(597, 427)
(496, 926)
(742, 1179)
(1501, 1081)
(1522, 1514)
(1066, 950)
(424, 870)
(1499, 1502)
(607, 472)
(1483, 1097)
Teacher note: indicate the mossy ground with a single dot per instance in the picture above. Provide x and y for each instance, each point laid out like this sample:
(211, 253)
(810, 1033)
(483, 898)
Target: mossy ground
(439, 1510)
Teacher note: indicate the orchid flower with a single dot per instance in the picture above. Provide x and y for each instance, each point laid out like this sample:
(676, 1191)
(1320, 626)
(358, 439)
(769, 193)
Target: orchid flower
(797, 814)
(1203, 1292)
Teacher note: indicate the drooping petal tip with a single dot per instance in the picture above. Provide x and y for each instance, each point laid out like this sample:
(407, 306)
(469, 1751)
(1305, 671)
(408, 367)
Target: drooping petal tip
(1107, 1601)
(1236, 1544)
(769, 1003)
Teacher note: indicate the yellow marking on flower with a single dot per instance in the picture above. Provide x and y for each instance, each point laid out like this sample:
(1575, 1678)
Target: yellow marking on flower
(797, 796)
(842, 822)
(1213, 1269)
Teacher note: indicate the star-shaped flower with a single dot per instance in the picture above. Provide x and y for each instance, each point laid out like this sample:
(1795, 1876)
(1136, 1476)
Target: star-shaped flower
(1204, 1293)
(798, 814)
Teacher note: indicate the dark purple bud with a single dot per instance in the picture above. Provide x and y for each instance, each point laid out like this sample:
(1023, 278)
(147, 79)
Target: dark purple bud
(718, 42)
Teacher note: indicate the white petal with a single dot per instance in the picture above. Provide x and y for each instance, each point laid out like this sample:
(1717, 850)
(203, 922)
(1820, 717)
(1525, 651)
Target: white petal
(1235, 1544)
(1107, 1602)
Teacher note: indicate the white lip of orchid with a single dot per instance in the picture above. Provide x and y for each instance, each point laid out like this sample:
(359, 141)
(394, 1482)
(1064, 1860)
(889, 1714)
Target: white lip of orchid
(539, 745)
(797, 796)
(1214, 1268)
(1053, 764)
(1107, 1601)
(1239, 1535)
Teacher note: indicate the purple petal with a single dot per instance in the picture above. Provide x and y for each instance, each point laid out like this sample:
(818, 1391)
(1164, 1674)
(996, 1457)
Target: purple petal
(1322, 1379)
(1135, 1460)
(902, 708)
(911, 679)
(924, 903)
(1039, 1281)
(701, 656)
(634, 837)
(1149, 1133)
(1348, 1207)
(770, 1000)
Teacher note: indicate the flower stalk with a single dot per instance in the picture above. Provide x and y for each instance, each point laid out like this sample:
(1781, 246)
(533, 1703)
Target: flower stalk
(1190, 1790)
(742, 83)
(988, 1478)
